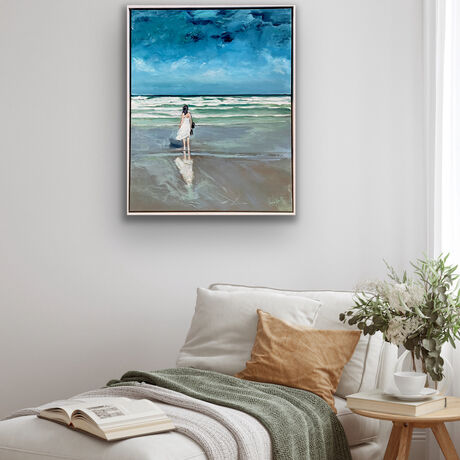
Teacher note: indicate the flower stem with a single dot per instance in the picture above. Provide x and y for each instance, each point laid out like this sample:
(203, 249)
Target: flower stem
(413, 360)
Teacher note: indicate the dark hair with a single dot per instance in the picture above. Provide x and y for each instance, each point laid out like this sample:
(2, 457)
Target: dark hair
(185, 109)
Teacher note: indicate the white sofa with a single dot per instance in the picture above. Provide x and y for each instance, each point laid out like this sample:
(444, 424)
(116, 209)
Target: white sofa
(370, 367)
(29, 438)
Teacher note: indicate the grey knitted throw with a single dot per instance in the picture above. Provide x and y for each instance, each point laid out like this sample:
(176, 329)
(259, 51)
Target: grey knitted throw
(222, 433)
(301, 425)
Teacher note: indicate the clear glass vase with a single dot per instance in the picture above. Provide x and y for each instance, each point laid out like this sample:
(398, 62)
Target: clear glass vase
(406, 363)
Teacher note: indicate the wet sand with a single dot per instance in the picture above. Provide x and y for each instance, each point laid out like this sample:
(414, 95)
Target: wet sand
(219, 184)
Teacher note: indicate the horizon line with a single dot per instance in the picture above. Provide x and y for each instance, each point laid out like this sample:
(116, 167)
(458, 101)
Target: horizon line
(231, 94)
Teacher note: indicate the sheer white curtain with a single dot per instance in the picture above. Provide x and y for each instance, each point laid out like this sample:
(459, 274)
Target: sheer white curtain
(443, 93)
(446, 233)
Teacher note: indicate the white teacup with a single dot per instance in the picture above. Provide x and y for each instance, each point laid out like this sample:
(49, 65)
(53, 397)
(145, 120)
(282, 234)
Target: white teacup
(410, 383)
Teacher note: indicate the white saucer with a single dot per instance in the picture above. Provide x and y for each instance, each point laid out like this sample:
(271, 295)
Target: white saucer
(426, 393)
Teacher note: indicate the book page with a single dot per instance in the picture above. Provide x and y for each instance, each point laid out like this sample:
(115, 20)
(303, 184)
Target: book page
(66, 406)
(109, 412)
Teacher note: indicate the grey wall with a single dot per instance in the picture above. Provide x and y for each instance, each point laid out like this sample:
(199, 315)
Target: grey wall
(87, 293)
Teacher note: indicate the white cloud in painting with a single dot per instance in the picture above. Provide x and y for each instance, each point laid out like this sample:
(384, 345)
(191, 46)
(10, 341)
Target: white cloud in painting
(217, 73)
(181, 63)
(277, 64)
(143, 66)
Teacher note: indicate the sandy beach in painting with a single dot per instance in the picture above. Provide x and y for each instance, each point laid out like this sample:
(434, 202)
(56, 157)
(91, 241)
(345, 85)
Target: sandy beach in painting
(241, 151)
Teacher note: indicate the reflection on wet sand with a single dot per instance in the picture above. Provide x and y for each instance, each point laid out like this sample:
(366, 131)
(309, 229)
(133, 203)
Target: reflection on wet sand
(186, 169)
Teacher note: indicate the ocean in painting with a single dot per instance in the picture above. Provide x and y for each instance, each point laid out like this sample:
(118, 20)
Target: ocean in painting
(241, 152)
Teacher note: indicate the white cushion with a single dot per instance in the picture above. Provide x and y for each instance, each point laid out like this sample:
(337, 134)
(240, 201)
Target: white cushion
(358, 429)
(31, 438)
(224, 326)
(361, 372)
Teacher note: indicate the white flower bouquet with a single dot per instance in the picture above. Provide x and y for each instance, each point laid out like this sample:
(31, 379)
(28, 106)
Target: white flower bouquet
(419, 314)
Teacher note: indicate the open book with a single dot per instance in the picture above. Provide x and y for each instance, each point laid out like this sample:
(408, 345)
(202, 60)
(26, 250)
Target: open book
(110, 418)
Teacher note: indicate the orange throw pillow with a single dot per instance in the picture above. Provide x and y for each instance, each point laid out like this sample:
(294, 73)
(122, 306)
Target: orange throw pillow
(299, 357)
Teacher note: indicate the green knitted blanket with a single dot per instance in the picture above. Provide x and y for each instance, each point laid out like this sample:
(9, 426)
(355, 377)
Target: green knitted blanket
(301, 425)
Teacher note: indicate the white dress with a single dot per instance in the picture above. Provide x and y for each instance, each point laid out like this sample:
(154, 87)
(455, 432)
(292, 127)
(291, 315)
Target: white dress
(184, 130)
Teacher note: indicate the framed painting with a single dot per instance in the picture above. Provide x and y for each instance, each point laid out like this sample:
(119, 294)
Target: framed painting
(211, 110)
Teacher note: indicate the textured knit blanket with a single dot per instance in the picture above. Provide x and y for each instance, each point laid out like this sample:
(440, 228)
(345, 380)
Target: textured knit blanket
(222, 433)
(301, 425)
(233, 419)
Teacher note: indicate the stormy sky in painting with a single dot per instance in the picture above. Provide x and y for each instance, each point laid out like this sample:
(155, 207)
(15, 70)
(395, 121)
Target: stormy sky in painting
(218, 51)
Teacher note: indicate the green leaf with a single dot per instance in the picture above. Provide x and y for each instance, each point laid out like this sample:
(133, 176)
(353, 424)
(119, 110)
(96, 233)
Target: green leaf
(419, 313)
(440, 321)
(429, 344)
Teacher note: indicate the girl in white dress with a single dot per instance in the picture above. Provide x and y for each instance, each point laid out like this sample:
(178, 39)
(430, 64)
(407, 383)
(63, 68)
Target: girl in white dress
(184, 130)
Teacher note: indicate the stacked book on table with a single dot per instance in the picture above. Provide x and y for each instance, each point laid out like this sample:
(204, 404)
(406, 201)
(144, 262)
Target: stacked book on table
(377, 401)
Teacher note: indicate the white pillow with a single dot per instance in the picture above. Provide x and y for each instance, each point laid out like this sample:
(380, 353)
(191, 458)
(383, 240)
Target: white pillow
(224, 326)
(362, 371)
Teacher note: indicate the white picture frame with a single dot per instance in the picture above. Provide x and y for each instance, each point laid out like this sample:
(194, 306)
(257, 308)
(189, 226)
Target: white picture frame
(132, 211)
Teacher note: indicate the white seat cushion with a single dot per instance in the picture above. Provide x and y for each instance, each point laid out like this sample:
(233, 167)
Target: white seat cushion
(31, 438)
(358, 429)
(224, 326)
(361, 372)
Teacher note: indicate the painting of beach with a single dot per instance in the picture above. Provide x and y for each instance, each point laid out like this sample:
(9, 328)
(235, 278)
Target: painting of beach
(210, 111)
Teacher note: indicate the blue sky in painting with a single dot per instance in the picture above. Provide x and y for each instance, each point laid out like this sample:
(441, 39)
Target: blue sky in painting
(217, 51)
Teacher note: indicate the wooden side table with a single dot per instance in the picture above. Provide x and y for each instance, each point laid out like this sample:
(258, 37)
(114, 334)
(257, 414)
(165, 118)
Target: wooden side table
(401, 434)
